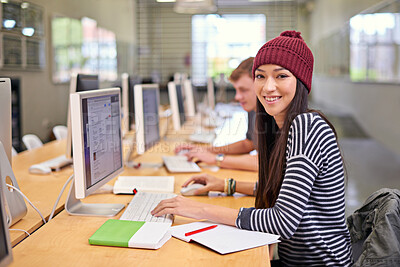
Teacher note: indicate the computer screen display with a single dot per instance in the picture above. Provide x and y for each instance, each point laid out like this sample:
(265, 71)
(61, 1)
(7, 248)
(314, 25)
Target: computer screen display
(101, 137)
(147, 99)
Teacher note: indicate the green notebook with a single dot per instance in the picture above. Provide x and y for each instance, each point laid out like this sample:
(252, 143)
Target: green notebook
(133, 234)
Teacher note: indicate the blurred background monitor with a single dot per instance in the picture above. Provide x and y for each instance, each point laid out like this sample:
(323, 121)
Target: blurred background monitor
(5, 116)
(79, 83)
(128, 101)
(147, 101)
(14, 201)
(177, 105)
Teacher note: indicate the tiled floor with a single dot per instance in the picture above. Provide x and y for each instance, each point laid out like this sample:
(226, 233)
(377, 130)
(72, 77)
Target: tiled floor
(370, 166)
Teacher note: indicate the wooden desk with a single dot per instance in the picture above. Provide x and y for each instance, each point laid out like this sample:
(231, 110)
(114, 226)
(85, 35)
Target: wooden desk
(41, 190)
(64, 240)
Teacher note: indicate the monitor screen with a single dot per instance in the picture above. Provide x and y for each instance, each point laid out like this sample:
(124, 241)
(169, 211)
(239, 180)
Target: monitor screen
(97, 138)
(101, 137)
(147, 99)
(181, 108)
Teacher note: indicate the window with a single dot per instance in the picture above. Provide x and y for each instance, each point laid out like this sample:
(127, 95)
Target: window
(81, 46)
(375, 47)
(225, 40)
(21, 36)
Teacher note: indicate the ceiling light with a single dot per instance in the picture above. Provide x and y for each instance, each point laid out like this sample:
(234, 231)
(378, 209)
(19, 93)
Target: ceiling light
(9, 23)
(195, 6)
(165, 1)
(28, 31)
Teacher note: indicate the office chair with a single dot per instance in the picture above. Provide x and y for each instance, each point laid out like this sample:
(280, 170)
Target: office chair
(60, 132)
(31, 141)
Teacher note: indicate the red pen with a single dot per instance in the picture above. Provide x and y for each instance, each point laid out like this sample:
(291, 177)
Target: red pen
(201, 230)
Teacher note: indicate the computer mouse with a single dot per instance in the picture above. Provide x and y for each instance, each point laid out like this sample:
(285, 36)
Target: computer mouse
(189, 190)
(39, 169)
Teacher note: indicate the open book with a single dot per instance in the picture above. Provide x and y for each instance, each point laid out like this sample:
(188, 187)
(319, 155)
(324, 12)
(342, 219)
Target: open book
(222, 238)
(126, 184)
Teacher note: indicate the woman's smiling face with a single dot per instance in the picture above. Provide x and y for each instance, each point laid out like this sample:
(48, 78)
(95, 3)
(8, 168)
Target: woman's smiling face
(275, 87)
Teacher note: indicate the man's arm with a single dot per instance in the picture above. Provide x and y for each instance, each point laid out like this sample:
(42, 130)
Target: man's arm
(243, 162)
(240, 147)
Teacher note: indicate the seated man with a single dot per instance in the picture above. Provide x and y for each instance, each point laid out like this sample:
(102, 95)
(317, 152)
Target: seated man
(236, 155)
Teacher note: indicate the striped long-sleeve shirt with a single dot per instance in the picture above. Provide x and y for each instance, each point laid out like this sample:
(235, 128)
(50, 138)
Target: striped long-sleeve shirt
(309, 213)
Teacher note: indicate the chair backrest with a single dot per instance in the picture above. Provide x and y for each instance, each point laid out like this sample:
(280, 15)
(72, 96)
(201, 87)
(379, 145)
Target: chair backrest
(31, 141)
(60, 132)
(14, 152)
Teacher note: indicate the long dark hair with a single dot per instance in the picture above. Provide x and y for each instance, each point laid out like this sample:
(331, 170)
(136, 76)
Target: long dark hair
(272, 143)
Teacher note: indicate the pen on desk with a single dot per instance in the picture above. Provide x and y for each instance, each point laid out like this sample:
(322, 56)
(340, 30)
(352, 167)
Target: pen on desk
(200, 230)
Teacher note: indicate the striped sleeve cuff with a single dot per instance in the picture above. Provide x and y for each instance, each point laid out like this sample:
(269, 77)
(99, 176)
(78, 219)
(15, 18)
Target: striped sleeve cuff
(243, 219)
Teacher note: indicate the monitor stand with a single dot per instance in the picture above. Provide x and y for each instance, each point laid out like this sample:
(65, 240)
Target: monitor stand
(75, 207)
(14, 202)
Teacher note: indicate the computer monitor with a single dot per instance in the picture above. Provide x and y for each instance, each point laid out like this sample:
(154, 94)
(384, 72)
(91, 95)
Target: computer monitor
(189, 98)
(79, 83)
(97, 146)
(128, 101)
(147, 100)
(5, 116)
(14, 201)
(177, 105)
(5, 243)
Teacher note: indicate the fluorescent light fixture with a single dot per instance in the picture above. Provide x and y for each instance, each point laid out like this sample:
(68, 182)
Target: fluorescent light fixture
(166, 1)
(195, 6)
(9, 23)
(24, 5)
(28, 31)
(265, 1)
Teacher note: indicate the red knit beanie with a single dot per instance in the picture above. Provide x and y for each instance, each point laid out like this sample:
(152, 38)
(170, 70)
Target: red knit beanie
(289, 51)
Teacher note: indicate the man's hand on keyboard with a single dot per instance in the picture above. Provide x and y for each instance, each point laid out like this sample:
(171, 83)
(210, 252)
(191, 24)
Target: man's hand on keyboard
(201, 156)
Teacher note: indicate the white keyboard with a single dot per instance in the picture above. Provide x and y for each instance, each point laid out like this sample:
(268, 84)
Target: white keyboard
(57, 163)
(142, 204)
(180, 164)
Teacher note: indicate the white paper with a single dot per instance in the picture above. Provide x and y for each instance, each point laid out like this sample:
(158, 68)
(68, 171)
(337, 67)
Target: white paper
(223, 239)
(126, 184)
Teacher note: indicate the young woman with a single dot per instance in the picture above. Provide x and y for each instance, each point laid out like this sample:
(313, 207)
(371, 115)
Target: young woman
(301, 185)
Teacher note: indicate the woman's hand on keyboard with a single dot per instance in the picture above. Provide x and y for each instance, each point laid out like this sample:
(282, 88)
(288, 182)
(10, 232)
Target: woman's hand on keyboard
(180, 206)
(211, 183)
(189, 208)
